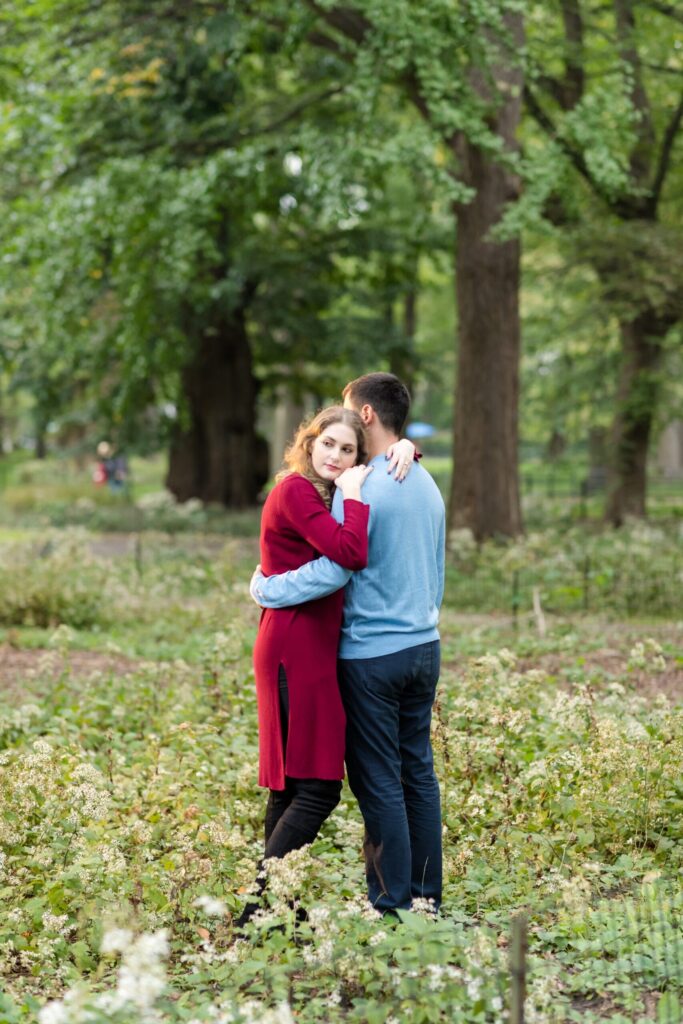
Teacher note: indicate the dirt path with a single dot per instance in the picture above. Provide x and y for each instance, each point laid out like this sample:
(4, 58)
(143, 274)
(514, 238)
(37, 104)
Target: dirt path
(610, 665)
(21, 666)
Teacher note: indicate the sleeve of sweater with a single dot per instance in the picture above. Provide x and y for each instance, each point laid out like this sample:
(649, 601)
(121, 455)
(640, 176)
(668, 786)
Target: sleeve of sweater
(308, 583)
(345, 543)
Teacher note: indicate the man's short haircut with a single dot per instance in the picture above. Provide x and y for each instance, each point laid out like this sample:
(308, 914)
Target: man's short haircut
(387, 395)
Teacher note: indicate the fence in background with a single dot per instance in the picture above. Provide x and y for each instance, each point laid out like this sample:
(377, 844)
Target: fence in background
(620, 961)
(588, 587)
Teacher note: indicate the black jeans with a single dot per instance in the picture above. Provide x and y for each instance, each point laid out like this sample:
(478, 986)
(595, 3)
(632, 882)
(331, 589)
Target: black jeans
(295, 814)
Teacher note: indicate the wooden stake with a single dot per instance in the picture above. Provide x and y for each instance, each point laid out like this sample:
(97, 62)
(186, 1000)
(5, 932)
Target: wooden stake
(518, 969)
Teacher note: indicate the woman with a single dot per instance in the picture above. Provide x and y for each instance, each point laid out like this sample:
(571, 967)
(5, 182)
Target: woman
(301, 717)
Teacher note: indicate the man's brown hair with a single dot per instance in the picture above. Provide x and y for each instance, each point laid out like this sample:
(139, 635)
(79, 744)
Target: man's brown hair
(387, 395)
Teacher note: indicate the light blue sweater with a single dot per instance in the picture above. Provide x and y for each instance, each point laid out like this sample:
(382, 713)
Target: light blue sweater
(394, 603)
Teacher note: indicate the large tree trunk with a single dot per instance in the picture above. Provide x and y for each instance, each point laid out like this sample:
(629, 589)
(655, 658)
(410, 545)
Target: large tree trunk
(484, 494)
(218, 457)
(484, 489)
(638, 387)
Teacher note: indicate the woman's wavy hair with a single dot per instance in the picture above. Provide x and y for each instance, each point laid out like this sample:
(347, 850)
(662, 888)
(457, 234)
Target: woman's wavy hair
(298, 455)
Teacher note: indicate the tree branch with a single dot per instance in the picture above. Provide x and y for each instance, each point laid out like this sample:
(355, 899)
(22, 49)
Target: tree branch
(645, 138)
(664, 162)
(355, 27)
(545, 122)
(293, 112)
(574, 74)
(668, 10)
(325, 42)
(352, 24)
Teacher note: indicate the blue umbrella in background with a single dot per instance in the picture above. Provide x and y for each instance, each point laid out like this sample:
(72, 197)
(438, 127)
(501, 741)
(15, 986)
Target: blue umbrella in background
(418, 430)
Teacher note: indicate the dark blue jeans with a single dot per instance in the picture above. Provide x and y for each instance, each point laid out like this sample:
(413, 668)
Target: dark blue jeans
(390, 765)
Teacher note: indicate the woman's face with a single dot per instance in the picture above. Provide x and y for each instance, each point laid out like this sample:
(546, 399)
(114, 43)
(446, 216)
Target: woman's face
(334, 451)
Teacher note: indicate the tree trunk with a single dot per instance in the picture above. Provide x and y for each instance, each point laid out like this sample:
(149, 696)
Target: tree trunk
(218, 456)
(40, 442)
(287, 415)
(670, 451)
(402, 361)
(637, 391)
(484, 494)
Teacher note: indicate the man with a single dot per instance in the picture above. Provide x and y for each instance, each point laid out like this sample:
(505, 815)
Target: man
(388, 655)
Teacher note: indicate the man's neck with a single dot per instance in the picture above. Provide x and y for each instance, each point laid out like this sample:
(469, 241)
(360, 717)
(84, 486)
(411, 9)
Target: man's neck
(378, 442)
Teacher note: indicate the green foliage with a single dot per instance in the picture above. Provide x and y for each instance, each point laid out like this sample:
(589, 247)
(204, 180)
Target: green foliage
(130, 820)
(111, 829)
(168, 190)
(637, 571)
(38, 586)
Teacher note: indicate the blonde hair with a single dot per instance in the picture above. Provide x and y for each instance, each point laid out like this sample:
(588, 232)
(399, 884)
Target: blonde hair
(298, 455)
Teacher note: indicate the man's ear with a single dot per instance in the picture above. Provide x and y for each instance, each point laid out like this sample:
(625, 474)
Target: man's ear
(367, 414)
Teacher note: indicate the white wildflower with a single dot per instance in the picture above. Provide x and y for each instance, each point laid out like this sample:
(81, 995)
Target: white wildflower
(473, 987)
(211, 906)
(318, 917)
(53, 1013)
(425, 907)
(62, 638)
(116, 940)
(55, 922)
(287, 874)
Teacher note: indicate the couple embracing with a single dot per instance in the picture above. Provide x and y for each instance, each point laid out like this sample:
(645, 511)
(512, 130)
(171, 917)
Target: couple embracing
(347, 654)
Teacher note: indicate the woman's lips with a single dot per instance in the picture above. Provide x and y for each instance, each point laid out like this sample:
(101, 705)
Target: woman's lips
(332, 469)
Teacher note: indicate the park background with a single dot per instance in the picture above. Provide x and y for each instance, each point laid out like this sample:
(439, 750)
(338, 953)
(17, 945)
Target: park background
(213, 216)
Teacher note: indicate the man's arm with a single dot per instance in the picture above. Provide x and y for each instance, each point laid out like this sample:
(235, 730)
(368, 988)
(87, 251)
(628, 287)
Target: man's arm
(315, 579)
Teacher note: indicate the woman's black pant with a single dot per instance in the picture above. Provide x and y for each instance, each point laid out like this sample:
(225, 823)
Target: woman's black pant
(295, 814)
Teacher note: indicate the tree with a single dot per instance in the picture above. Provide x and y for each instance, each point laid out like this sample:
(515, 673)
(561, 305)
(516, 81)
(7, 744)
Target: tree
(452, 63)
(136, 284)
(608, 98)
(184, 241)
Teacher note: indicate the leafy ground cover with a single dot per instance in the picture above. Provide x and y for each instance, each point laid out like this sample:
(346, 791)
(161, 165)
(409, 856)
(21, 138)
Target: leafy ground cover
(130, 822)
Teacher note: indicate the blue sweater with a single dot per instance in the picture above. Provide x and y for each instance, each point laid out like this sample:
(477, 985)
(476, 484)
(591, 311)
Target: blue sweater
(394, 603)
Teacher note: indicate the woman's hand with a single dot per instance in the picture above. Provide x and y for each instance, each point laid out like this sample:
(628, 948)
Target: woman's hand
(401, 455)
(351, 480)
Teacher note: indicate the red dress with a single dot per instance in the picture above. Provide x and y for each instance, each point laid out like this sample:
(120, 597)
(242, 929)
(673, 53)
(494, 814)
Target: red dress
(296, 527)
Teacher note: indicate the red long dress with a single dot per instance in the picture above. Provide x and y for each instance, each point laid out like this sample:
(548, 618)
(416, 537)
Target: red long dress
(296, 527)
